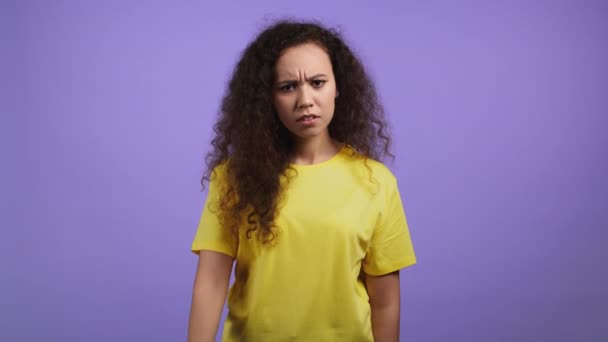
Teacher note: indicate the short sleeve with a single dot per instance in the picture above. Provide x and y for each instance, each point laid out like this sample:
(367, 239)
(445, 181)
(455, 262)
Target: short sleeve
(390, 248)
(210, 234)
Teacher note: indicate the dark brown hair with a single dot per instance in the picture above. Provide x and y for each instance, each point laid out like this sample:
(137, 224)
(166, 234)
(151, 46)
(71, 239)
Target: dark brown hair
(254, 143)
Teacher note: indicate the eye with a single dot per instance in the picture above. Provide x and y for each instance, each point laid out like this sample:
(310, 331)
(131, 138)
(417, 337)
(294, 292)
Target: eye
(318, 83)
(286, 87)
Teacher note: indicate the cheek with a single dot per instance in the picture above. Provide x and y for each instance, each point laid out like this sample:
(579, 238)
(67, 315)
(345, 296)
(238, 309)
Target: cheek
(329, 102)
(281, 103)
(328, 96)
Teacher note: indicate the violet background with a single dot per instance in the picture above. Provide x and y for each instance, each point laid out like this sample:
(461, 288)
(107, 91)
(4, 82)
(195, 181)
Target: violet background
(499, 114)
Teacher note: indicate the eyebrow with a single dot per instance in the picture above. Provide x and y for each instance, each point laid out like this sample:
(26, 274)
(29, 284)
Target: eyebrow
(308, 79)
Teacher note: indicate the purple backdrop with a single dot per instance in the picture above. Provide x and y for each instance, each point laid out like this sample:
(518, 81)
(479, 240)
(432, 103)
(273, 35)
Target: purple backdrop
(499, 112)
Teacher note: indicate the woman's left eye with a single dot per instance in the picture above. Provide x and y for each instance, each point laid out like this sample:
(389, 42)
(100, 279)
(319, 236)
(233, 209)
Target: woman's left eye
(318, 83)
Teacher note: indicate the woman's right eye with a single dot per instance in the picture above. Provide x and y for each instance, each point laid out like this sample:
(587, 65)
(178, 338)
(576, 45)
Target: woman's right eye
(286, 87)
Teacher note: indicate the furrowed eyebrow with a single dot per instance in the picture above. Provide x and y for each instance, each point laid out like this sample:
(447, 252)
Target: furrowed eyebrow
(296, 81)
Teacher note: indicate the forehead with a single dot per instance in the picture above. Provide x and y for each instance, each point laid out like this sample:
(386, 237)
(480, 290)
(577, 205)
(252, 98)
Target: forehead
(306, 58)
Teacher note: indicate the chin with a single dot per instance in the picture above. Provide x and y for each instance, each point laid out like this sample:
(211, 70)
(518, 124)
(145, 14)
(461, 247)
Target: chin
(307, 135)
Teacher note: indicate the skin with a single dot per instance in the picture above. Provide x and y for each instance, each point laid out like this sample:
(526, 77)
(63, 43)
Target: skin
(384, 299)
(208, 295)
(304, 84)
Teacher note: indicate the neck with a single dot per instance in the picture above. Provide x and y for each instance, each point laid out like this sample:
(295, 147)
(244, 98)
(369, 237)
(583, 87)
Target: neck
(314, 150)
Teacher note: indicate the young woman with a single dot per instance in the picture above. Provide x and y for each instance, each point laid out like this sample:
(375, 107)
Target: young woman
(299, 199)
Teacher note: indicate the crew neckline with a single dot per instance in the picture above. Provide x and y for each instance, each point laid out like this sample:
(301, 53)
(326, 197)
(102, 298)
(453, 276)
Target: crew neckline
(323, 163)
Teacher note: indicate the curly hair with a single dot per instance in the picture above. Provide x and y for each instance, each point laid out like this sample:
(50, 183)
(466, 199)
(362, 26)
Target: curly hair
(253, 143)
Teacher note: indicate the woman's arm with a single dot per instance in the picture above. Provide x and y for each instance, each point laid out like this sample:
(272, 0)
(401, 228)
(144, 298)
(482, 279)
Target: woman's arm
(208, 296)
(384, 299)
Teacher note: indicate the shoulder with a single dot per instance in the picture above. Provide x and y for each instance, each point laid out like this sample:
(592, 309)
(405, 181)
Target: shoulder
(379, 170)
(219, 170)
(219, 175)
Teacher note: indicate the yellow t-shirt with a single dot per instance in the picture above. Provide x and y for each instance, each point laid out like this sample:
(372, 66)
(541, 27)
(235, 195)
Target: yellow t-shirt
(335, 223)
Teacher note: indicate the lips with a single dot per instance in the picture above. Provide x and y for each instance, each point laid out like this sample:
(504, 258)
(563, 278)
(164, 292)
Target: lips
(307, 116)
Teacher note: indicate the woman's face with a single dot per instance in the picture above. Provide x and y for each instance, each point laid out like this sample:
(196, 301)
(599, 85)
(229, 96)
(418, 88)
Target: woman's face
(304, 92)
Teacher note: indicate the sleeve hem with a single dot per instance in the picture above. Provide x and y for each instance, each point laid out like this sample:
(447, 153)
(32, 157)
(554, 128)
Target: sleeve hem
(392, 267)
(196, 250)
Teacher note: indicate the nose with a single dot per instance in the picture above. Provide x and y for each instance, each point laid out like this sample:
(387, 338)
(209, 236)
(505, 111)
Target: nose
(304, 98)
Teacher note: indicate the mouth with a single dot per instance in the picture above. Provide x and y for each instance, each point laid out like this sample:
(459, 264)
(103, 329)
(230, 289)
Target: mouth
(307, 118)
